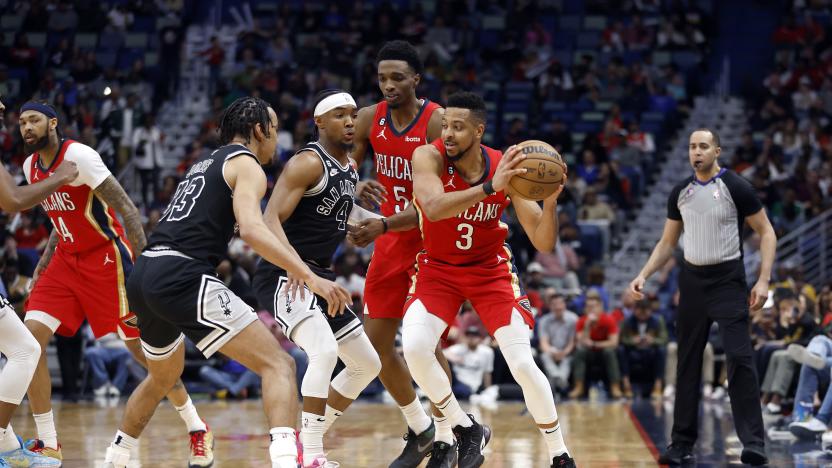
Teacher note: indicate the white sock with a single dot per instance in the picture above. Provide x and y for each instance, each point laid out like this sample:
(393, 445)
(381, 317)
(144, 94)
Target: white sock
(188, 414)
(312, 435)
(8, 439)
(46, 429)
(125, 441)
(416, 417)
(554, 440)
(283, 450)
(454, 413)
(332, 415)
(444, 432)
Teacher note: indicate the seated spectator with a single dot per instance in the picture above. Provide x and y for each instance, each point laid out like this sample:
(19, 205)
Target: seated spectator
(557, 341)
(559, 268)
(781, 367)
(642, 352)
(472, 363)
(595, 209)
(107, 357)
(597, 337)
(17, 285)
(31, 239)
(229, 378)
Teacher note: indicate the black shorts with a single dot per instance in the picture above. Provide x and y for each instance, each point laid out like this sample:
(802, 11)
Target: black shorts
(268, 285)
(174, 295)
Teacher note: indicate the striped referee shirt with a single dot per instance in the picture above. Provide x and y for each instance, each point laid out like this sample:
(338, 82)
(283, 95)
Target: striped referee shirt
(712, 215)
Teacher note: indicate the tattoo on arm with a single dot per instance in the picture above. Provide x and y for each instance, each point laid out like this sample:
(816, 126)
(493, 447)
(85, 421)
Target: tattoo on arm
(114, 195)
(48, 251)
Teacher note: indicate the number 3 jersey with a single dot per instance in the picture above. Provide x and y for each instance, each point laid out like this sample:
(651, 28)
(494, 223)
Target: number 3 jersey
(199, 220)
(82, 220)
(475, 236)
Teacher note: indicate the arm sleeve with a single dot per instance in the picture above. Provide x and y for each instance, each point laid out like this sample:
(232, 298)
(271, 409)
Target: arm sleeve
(743, 194)
(91, 168)
(673, 203)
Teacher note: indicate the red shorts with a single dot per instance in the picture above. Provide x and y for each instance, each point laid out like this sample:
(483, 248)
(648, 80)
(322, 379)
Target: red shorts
(494, 291)
(89, 285)
(390, 274)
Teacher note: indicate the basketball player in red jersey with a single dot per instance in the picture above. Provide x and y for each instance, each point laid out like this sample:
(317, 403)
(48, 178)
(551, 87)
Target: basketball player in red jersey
(83, 270)
(461, 189)
(394, 128)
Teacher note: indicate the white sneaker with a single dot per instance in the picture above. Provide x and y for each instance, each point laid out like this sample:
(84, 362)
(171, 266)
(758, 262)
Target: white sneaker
(669, 392)
(101, 391)
(773, 408)
(809, 429)
(707, 391)
(718, 394)
(113, 392)
(826, 440)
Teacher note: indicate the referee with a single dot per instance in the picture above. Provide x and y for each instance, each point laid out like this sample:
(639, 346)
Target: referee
(710, 207)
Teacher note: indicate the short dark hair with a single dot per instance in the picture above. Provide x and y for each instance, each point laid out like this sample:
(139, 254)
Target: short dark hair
(401, 50)
(470, 101)
(714, 134)
(241, 117)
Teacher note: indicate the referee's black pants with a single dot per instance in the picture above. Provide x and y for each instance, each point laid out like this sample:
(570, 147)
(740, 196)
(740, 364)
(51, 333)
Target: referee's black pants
(707, 294)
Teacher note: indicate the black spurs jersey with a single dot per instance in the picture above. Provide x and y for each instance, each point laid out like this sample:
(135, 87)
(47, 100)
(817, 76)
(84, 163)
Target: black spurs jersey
(199, 221)
(319, 223)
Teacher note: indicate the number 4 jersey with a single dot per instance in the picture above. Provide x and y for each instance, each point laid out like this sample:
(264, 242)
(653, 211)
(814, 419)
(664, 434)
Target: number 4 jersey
(200, 221)
(82, 220)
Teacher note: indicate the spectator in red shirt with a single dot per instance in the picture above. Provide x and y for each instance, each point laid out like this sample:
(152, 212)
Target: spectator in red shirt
(30, 239)
(597, 336)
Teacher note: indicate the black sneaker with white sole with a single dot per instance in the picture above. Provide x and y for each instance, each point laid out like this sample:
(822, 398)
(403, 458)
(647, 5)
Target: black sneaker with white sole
(443, 455)
(472, 440)
(416, 448)
(563, 461)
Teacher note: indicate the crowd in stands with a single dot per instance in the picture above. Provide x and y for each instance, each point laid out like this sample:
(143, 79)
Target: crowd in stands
(589, 85)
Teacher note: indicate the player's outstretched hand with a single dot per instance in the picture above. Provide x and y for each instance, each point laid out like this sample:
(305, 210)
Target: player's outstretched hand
(366, 232)
(637, 288)
(67, 171)
(295, 285)
(337, 298)
(370, 192)
(507, 168)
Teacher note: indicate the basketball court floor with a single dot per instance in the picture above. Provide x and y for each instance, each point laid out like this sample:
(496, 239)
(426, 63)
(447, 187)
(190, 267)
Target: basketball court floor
(599, 434)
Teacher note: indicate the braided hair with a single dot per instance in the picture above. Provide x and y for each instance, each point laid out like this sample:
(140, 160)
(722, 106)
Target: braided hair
(241, 117)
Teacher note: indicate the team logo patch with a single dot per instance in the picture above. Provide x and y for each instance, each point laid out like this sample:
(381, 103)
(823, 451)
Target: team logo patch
(131, 321)
(716, 194)
(225, 302)
(526, 305)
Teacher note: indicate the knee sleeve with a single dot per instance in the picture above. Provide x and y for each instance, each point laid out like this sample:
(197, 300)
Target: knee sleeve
(420, 333)
(23, 352)
(316, 338)
(362, 366)
(514, 343)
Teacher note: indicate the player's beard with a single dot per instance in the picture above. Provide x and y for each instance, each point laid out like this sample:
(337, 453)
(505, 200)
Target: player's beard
(38, 145)
(459, 155)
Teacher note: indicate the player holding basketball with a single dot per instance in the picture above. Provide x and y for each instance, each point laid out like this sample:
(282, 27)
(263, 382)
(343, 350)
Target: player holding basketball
(394, 128)
(175, 292)
(461, 188)
(16, 343)
(312, 200)
(84, 267)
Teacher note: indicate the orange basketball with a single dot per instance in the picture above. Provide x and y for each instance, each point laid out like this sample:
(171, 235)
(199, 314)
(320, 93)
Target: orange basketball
(545, 171)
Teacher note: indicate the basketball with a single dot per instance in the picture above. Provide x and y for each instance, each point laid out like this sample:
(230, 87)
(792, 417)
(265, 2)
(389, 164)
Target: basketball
(545, 171)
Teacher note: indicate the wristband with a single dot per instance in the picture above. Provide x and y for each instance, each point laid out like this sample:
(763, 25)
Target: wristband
(384, 222)
(488, 188)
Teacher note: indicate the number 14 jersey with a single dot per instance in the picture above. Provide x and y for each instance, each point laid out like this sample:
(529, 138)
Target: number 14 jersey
(200, 221)
(82, 220)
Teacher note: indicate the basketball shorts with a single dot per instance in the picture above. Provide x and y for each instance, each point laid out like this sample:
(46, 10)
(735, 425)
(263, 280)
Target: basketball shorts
(174, 295)
(494, 291)
(289, 312)
(89, 285)
(390, 274)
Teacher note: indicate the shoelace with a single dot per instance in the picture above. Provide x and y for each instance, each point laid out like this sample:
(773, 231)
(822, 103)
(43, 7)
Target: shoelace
(198, 443)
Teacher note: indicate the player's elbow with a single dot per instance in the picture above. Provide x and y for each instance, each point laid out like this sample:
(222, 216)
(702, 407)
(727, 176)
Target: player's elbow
(545, 245)
(248, 233)
(431, 210)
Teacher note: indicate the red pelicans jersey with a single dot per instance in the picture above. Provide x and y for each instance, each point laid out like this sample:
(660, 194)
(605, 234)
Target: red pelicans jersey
(82, 220)
(475, 236)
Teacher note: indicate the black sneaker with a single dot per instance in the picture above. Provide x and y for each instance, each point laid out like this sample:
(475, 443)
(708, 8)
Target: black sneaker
(416, 449)
(754, 456)
(678, 454)
(471, 441)
(563, 461)
(443, 455)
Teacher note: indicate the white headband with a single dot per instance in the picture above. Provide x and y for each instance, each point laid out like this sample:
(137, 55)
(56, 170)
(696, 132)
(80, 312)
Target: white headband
(333, 101)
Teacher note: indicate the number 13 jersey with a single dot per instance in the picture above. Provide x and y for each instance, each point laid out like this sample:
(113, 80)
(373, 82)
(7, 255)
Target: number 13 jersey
(200, 221)
(82, 220)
